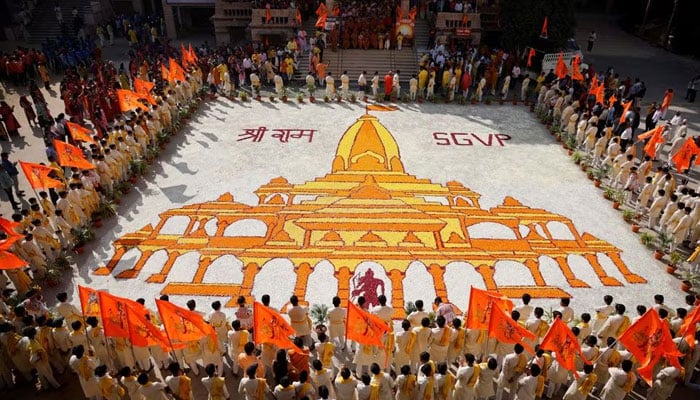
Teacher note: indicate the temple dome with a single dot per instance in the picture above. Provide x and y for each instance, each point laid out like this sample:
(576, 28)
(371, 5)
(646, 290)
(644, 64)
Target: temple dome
(367, 146)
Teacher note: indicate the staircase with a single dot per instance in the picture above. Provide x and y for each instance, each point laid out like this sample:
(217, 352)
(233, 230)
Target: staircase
(44, 25)
(420, 35)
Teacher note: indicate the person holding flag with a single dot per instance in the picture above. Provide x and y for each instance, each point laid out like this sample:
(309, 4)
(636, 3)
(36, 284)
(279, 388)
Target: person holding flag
(620, 383)
(513, 367)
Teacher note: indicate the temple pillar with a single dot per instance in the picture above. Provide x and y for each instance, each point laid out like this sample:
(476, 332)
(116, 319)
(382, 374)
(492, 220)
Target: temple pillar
(160, 277)
(132, 273)
(438, 240)
(221, 228)
(307, 238)
(575, 233)
(190, 225)
(204, 263)
(629, 275)
(107, 269)
(534, 268)
(201, 232)
(568, 274)
(438, 274)
(343, 275)
(250, 270)
(397, 300)
(487, 272)
(302, 271)
(604, 278)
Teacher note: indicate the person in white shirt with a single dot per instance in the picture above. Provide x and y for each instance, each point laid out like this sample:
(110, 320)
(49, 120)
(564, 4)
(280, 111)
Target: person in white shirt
(285, 390)
(217, 319)
(151, 390)
(336, 321)
(621, 382)
(216, 385)
(345, 385)
(250, 385)
(362, 84)
(417, 316)
(68, 311)
(527, 385)
(567, 313)
(525, 309)
(299, 319)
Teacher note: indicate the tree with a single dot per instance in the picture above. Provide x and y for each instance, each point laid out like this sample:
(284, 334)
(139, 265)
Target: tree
(521, 22)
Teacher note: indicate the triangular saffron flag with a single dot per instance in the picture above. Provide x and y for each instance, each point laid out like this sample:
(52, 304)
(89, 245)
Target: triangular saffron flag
(79, 133)
(656, 139)
(38, 176)
(142, 332)
(193, 55)
(543, 31)
(89, 301)
(113, 312)
(321, 10)
(560, 69)
(164, 73)
(594, 85)
(561, 340)
(649, 339)
(625, 109)
(682, 158)
(600, 95)
(70, 156)
(270, 327)
(176, 71)
(321, 21)
(530, 55)
(576, 73)
(481, 304)
(414, 10)
(668, 98)
(268, 14)
(399, 12)
(181, 324)
(507, 330)
(297, 16)
(10, 261)
(689, 327)
(363, 327)
(185, 58)
(129, 100)
(650, 133)
(10, 228)
(612, 99)
(143, 89)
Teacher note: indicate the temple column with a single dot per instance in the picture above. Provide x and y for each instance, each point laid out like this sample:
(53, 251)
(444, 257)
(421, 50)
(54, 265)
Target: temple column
(160, 277)
(629, 275)
(343, 275)
(249, 272)
(107, 269)
(302, 270)
(534, 268)
(438, 274)
(201, 232)
(397, 300)
(568, 274)
(190, 225)
(574, 232)
(132, 273)
(604, 278)
(438, 240)
(204, 263)
(487, 272)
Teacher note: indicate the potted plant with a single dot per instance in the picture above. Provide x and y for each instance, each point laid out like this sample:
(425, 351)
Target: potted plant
(627, 215)
(577, 156)
(488, 100)
(151, 154)
(515, 99)
(52, 276)
(473, 99)
(106, 209)
(312, 89)
(243, 95)
(300, 97)
(353, 98)
(674, 259)
(590, 174)
(570, 143)
(689, 280)
(284, 95)
(272, 98)
(665, 239)
(137, 167)
(635, 227)
(319, 313)
(501, 101)
(256, 91)
(81, 236)
(609, 193)
(618, 198)
(599, 174)
(647, 238)
(405, 98)
(326, 98)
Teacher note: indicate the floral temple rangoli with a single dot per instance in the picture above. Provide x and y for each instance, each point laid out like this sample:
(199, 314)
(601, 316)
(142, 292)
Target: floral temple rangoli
(368, 209)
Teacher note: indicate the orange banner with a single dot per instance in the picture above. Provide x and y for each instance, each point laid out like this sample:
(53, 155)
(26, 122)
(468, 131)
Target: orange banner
(270, 327)
(70, 156)
(505, 329)
(143, 89)
(114, 318)
(689, 327)
(10, 261)
(165, 74)
(561, 70)
(561, 340)
(129, 100)
(38, 176)
(176, 71)
(79, 133)
(481, 304)
(363, 327)
(625, 109)
(181, 324)
(681, 160)
(142, 332)
(89, 301)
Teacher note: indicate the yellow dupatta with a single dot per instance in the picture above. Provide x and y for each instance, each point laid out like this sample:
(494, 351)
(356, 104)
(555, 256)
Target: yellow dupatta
(327, 358)
(459, 340)
(260, 389)
(37, 352)
(540, 386)
(12, 341)
(408, 385)
(429, 388)
(411, 342)
(242, 338)
(482, 337)
(542, 328)
(445, 337)
(84, 369)
(374, 387)
(184, 388)
(629, 383)
(475, 376)
(522, 363)
(587, 384)
(623, 327)
(448, 385)
(217, 388)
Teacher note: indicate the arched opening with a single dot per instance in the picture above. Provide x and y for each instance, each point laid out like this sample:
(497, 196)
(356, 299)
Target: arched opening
(175, 225)
(559, 231)
(322, 284)
(246, 227)
(418, 284)
(459, 277)
(277, 279)
(512, 273)
(127, 261)
(225, 269)
(582, 270)
(524, 231)
(185, 267)
(490, 230)
(211, 226)
(551, 272)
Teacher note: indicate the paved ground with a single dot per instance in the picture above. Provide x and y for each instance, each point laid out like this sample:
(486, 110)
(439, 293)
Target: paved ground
(530, 167)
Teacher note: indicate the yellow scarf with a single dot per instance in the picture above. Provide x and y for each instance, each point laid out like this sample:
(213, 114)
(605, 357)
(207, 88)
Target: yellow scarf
(106, 387)
(482, 337)
(305, 388)
(327, 358)
(389, 343)
(84, 369)
(185, 388)
(445, 338)
(242, 338)
(43, 337)
(12, 341)
(366, 348)
(119, 344)
(448, 385)
(411, 342)
(344, 381)
(213, 344)
(373, 391)
(614, 359)
(542, 328)
(629, 383)
(623, 327)
(429, 389)
(260, 389)
(522, 362)
(540, 386)
(408, 385)
(459, 340)
(37, 351)
(475, 376)
(546, 363)
(217, 388)
(587, 384)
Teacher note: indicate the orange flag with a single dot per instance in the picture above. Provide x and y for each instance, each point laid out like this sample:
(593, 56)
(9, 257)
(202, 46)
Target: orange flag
(38, 176)
(625, 108)
(668, 98)
(656, 139)
(321, 21)
(682, 158)
(79, 133)
(185, 57)
(465, 19)
(413, 11)
(176, 71)
(561, 340)
(113, 311)
(321, 10)
(649, 339)
(576, 73)
(481, 305)
(142, 332)
(336, 10)
(594, 85)
(507, 330)
(164, 73)
(530, 54)
(193, 55)
(561, 70)
(399, 12)
(689, 326)
(650, 132)
(143, 89)
(182, 324)
(89, 301)
(270, 327)
(10, 261)
(612, 100)
(71, 156)
(600, 95)
(8, 227)
(129, 100)
(379, 107)
(268, 14)
(543, 31)
(298, 16)
(363, 327)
